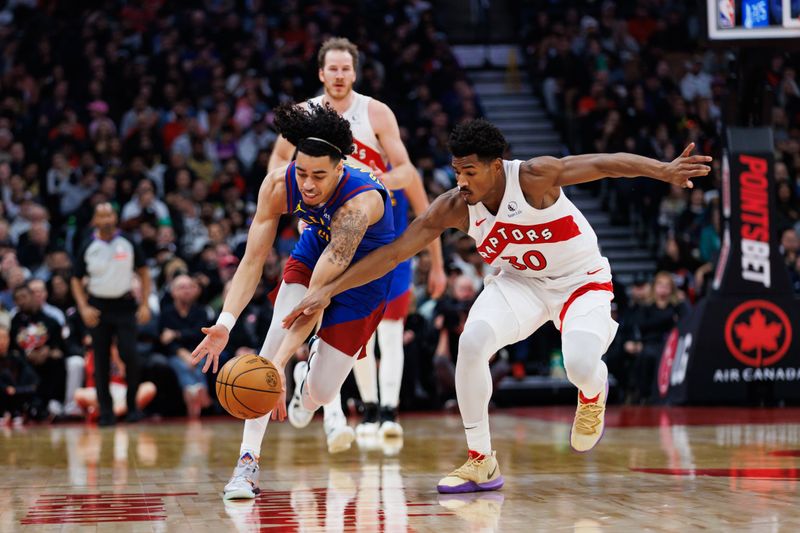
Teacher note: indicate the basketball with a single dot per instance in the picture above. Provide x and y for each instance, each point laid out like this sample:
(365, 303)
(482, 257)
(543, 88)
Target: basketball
(248, 386)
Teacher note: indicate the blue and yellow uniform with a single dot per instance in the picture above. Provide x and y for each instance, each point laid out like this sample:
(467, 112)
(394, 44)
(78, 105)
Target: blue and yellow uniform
(351, 318)
(400, 291)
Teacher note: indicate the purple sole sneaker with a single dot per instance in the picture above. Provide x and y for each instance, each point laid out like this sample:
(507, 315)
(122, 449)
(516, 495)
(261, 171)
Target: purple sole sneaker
(601, 433)
(471, 486)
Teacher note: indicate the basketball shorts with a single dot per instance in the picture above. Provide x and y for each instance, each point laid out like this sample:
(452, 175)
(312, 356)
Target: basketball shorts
(516, 306)
(352, 317)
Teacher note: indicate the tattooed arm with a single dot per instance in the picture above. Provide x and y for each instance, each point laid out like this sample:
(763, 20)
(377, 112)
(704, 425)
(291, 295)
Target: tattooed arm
(348, 226)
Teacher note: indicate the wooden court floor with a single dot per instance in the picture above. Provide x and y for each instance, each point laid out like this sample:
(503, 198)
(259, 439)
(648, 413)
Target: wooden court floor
(655, 470)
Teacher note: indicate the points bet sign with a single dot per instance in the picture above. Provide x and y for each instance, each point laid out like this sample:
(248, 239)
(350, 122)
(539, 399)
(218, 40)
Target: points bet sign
(739, 344)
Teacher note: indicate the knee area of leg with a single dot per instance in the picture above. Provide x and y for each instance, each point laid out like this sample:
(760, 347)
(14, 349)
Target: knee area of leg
(320, 397)
(318, 392)
(582, 352)
(475, 341)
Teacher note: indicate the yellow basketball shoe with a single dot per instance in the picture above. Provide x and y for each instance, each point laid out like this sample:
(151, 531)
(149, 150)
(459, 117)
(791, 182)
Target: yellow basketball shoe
(480, 472)
(590, 421)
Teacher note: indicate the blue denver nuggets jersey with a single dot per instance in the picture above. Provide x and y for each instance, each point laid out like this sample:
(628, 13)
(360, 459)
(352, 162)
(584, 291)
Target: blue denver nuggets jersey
(353, 182)
(401, 281)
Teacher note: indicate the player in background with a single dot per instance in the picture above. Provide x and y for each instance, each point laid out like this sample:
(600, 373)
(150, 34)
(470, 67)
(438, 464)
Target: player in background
(550, 269)
(378, 146)
(348, 213)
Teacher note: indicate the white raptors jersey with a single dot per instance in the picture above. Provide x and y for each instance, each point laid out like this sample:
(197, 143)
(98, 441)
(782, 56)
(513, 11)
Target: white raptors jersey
(541, 243)
(368, 150)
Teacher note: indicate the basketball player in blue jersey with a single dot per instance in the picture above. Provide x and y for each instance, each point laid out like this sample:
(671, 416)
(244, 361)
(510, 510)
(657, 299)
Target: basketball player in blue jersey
(378, 146)
(348, 214)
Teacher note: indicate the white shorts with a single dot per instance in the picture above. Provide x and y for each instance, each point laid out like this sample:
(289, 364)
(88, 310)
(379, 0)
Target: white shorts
(516, 306)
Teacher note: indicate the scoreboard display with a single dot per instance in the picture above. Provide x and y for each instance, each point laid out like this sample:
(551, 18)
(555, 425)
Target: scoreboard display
(742, 20)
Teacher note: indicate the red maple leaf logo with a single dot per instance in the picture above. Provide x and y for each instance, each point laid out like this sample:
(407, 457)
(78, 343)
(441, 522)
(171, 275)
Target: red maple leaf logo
(758, 334)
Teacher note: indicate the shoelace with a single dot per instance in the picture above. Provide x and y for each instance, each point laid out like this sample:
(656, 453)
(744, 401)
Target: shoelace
(467, 470)
(588, 418)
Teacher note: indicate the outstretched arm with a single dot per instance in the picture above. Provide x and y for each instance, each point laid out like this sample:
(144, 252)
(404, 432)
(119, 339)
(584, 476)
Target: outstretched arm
(437, 279)
(575, 169)
(447, 211)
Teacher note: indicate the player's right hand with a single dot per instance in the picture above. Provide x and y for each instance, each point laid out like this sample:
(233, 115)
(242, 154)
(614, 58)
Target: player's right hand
(314, 302)
(211, 346)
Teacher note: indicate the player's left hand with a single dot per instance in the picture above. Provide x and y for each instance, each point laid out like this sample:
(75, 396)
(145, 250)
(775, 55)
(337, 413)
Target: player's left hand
(687, 166)
(437, 282)
(279, 412)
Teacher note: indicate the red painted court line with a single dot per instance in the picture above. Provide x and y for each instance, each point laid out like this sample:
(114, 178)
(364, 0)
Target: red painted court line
(785, 453)
(97, 508)
(750, 473)
(120, 496)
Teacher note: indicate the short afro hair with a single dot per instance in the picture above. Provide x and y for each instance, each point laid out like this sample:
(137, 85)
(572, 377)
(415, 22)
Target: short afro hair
(479, 137)
(304, 127)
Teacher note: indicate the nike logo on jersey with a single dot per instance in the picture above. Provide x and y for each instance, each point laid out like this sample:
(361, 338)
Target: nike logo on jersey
(594, 271)
(479, 222)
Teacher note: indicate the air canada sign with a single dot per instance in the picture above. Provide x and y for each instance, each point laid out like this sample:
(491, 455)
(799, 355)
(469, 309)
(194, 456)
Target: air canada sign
(758, 334)
(738, 345)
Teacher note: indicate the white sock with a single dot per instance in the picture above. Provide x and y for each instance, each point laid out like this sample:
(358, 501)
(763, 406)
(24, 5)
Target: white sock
(334, 408)
(253, 435)
(366, 374)
(390, 339)
(478, 438)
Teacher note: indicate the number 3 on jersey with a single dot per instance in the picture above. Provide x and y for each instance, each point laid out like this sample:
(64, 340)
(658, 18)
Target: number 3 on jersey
(531, 260)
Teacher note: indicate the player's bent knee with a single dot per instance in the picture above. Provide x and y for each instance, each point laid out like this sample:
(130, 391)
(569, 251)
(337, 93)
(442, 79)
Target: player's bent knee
(582, 352)
(476, 342)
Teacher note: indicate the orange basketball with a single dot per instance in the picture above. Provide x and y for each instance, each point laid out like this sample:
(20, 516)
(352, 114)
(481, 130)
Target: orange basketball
(248, 386)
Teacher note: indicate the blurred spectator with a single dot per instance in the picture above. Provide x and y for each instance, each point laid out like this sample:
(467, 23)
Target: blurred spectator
(38, 338)
(18, 382)
(39, 292)
(179, 333)
(645, 329)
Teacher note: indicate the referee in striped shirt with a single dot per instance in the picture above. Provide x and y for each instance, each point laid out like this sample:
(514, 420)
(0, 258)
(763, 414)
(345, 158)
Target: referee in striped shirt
(108, 261)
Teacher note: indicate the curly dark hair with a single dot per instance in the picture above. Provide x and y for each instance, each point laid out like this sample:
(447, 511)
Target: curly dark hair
(323, 122)
(479, 137)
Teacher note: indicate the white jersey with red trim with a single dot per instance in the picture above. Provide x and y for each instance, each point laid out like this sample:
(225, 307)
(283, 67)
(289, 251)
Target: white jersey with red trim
(539, 243)
(368, 149)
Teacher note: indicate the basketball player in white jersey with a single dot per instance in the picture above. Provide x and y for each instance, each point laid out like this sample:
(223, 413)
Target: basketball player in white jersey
(550, 269)
(378, 146)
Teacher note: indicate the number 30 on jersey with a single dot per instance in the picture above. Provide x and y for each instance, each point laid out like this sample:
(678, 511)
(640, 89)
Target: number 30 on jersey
(531, 260)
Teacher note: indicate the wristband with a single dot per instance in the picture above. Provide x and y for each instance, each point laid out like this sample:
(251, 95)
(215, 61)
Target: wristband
(227, 320)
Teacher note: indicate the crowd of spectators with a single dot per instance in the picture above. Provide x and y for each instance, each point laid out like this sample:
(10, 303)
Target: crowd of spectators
(164, 110)
(636, 76)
